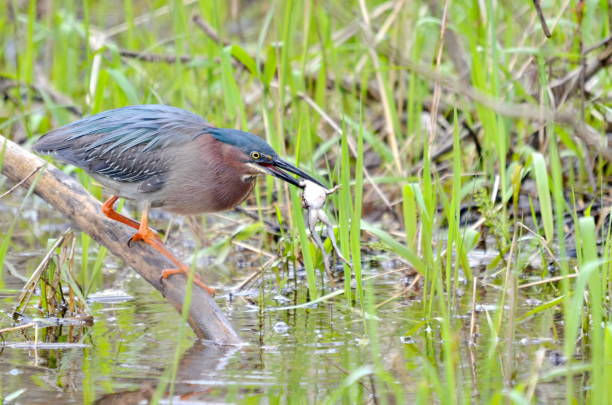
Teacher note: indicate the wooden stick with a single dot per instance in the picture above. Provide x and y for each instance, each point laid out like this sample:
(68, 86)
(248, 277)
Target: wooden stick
(536, 4)
(67, 196)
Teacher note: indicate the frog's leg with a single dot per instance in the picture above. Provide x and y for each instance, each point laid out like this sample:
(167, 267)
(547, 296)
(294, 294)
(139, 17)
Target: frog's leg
(330, 234)
(311, 221)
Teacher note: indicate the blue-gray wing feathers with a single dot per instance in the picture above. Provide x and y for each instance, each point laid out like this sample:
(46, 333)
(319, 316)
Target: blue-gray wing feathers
(125, 144)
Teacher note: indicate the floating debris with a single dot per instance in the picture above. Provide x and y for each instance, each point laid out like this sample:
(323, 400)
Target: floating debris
(281, 328)
(110, 296)
(43, 345)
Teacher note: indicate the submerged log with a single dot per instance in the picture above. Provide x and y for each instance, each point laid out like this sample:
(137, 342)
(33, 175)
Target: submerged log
(67, 196)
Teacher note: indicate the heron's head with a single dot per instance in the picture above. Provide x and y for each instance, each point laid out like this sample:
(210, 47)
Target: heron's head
(257, 157)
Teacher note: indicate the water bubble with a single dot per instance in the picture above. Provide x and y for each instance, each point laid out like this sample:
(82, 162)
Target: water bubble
(281, 327)
(408, 340)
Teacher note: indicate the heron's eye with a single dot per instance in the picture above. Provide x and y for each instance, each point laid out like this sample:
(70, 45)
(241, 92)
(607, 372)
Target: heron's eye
(255, 155)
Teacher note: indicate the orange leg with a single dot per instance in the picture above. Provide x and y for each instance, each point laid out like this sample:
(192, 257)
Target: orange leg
(148, 236)
(189, 395)
(107, 209)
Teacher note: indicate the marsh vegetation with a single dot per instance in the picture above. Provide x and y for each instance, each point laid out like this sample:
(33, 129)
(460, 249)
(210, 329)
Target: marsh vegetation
(474, 163)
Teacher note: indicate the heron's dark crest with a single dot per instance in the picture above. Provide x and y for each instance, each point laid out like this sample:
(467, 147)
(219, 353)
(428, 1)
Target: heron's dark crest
(245, 141)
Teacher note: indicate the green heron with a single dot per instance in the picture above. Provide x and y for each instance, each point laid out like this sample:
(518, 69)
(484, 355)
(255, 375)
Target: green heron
(166, 157)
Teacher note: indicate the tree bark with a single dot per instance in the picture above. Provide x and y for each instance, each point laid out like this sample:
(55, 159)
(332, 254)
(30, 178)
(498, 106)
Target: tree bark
(67, 196)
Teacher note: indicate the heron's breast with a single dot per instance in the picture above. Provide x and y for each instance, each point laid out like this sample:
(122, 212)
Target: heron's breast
(205, 185)
(195, 199)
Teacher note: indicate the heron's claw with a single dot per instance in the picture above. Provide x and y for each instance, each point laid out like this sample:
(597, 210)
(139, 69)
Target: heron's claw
(162, 285)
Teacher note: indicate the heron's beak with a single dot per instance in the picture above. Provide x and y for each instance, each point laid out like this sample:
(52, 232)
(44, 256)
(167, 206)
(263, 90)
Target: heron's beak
(279, 168)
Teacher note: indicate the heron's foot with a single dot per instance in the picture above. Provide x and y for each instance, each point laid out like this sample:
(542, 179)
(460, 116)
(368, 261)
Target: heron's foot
(148, 236)
(184, 270)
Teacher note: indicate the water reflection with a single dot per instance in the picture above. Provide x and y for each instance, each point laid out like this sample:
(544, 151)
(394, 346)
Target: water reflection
(196, 376)
(302, 352)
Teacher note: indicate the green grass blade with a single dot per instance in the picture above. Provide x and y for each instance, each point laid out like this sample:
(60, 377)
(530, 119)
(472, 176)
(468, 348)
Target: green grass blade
(541, 178)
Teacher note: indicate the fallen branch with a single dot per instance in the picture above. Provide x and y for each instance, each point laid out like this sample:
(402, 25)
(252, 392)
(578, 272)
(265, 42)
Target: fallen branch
(67, 196)
(536, 4)
(154, 57)
(209, 31)
(565, 87)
